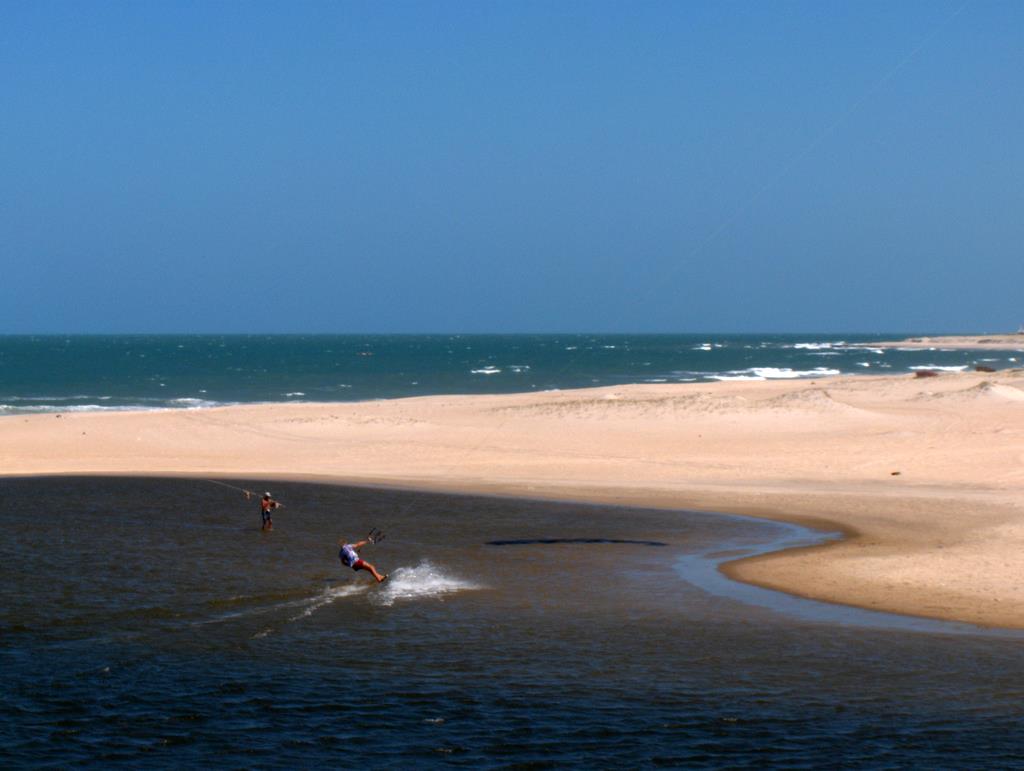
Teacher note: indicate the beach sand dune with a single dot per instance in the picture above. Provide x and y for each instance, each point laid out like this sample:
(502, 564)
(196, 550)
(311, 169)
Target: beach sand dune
(924, 475)
(984, 391)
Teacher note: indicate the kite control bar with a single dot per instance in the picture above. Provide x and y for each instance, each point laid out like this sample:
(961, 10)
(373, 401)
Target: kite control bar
(375, 536)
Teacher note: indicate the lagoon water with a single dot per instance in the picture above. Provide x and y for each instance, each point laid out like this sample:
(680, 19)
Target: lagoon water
(149, 622)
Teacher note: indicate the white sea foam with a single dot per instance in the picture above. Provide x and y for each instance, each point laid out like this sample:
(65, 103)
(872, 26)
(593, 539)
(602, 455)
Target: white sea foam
(192, 404)
(34, 405)
(957, 368)
(703, 347)
(37, 409)
(775, 373)
(863, 364)
(424, 581)
(295, 393)
(486, 371)
(815, 346)
(96, 408)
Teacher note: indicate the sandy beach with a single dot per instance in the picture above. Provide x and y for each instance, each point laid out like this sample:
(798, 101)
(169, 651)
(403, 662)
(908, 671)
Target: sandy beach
(997, 342)
(924, 475)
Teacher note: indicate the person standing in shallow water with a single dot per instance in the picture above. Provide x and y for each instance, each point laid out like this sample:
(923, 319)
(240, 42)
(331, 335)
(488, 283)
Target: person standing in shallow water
(267, 505)
(349, 556)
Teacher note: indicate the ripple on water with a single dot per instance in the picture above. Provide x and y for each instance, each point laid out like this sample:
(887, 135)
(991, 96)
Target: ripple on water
(580, 645)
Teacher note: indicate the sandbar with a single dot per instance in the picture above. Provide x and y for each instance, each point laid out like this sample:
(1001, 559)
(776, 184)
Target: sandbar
(998, 342)
(925, 476)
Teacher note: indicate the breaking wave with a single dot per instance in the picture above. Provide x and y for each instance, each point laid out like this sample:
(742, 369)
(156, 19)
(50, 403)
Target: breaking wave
(775, 373)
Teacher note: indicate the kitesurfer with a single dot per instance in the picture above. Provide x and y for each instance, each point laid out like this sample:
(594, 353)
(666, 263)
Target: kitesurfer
(349, 556)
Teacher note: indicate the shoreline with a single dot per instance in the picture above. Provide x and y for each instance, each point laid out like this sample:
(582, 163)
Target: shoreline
(939, 539)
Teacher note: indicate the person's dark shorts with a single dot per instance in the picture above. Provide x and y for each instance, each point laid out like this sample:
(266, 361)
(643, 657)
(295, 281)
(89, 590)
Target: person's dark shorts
(265, 515)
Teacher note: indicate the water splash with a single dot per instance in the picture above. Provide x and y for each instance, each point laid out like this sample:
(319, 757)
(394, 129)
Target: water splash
(422, 581)
(308, 605)
(311, 605)
(326, 597)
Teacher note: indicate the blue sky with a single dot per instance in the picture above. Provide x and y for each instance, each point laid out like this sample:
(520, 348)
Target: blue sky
(511, 166)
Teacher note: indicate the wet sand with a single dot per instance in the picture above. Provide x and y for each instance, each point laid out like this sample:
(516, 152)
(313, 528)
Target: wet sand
(924, 475)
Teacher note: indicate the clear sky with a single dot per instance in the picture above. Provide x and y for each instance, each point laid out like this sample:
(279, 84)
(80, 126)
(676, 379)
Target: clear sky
(498, 166)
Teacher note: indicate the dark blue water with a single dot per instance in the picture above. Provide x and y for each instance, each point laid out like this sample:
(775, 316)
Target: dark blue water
(57, 373)
(149, 623)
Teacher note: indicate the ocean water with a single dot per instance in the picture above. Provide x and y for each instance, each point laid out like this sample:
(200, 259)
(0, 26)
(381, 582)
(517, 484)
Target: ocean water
(65, 373)
(148, 623)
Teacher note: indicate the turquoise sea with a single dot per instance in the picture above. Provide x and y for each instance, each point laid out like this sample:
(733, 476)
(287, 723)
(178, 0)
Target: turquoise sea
(64, 373)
